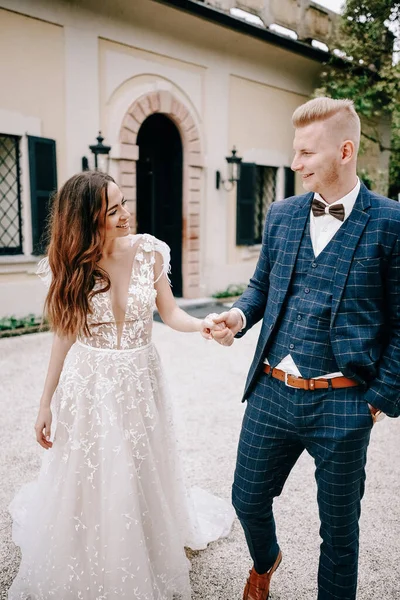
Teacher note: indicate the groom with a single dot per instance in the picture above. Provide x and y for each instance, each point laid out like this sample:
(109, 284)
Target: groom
(326, 366)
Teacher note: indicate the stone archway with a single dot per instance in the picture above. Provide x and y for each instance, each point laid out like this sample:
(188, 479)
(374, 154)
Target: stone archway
(165, 102)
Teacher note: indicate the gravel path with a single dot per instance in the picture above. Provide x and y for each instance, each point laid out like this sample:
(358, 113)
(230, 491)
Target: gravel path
(206, 381)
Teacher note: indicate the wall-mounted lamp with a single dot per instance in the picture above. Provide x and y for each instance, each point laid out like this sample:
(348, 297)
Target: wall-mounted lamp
(101, 156)
(234, 163)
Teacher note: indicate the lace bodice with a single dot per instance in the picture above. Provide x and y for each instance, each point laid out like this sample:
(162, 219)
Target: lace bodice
(135, 330)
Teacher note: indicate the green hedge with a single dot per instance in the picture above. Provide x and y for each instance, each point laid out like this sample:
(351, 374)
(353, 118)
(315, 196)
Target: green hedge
(231, 291)
(12, 325)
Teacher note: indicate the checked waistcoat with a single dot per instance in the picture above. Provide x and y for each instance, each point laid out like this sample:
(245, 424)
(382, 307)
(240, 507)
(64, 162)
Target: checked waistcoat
(304, 327)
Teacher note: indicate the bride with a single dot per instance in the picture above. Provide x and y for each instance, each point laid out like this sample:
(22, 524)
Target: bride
(109, 515)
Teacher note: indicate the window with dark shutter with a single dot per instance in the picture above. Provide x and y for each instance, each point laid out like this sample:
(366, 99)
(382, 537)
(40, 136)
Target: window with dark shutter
(10, 196)
(255, 193)
(246, 201)
(43, 180)
(289, 182)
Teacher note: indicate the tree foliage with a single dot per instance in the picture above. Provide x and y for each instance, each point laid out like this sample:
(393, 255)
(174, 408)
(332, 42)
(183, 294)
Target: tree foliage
(364, 68)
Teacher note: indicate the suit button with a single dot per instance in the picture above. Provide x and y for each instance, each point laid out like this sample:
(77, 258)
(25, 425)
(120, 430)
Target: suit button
(307, 290)
(299, 317)
(271, 326)
(291, 346)
(314, 264)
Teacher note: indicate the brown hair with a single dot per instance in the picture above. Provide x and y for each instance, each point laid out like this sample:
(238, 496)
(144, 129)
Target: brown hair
(74, 250)
(320, 109)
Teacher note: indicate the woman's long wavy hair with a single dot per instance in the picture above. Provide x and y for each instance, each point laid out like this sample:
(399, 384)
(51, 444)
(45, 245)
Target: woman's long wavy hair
(75, 248)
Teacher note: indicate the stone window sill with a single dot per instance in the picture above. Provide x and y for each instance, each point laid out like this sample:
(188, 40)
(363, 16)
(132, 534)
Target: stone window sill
(18, 263)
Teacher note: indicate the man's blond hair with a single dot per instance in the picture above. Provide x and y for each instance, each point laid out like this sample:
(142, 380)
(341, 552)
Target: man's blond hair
(322, 109)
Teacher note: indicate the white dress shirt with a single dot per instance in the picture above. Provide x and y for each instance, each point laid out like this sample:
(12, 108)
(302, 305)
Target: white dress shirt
(322, 230)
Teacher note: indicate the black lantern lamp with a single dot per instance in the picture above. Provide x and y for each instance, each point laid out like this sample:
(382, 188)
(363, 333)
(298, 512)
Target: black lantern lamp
(234, 164)
(98, 149)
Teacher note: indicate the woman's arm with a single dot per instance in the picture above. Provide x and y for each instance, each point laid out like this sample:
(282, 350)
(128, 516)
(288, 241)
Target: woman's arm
(59, 351)
(169, 311)
(171, 314)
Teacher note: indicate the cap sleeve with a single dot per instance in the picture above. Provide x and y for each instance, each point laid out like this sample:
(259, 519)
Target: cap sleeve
(44, 272)
(163, 249)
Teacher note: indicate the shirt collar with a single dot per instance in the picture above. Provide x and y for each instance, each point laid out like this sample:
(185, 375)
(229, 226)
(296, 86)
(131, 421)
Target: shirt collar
(348, 200)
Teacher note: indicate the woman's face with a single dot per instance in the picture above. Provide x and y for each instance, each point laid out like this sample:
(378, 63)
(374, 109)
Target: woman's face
(117, 216)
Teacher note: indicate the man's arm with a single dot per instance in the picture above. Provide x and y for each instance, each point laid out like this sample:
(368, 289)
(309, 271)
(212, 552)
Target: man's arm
(384, 392)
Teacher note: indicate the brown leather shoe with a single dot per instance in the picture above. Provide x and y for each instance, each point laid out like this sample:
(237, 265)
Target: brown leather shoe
(257, 586)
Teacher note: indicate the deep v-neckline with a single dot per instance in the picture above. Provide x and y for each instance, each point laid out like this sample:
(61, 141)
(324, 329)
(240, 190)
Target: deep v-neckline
(119, 325)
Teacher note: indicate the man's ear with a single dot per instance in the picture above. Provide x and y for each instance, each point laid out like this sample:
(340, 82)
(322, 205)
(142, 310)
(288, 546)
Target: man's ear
(347, 151)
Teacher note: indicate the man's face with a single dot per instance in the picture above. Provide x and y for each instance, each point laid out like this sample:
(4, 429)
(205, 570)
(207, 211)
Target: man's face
(317, 156)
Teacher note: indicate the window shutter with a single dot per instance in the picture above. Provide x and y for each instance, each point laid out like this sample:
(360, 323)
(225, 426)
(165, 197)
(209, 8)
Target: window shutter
(43, 181)
(289, 182)
(246, 201)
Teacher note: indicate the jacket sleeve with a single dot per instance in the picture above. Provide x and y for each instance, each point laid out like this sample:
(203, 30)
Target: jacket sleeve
(254, 299)
(384, 392)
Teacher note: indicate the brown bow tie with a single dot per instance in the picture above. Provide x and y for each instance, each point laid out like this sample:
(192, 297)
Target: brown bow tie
(318, 209)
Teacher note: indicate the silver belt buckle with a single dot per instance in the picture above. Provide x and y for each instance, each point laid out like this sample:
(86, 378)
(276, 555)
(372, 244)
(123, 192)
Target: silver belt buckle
(286, 381)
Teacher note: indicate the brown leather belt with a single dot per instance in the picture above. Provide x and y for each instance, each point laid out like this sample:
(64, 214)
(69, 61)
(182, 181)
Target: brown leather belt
(310, 384)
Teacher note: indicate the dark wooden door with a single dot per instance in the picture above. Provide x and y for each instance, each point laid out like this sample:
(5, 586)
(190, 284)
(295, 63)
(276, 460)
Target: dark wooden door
(159, 188)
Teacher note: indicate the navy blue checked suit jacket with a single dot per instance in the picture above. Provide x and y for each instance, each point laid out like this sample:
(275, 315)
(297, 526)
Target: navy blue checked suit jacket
(365, 318)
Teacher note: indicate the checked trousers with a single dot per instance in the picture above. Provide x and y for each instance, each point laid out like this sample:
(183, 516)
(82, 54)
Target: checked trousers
(334, 426)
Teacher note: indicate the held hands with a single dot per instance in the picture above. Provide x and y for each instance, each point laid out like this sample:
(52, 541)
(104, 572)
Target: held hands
(43, 428)
(223, 327)
(208, 326)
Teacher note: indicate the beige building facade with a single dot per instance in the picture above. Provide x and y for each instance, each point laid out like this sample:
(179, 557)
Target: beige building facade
(172, 91)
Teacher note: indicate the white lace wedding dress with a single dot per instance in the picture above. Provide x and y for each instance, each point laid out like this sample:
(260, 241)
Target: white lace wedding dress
(108, 517)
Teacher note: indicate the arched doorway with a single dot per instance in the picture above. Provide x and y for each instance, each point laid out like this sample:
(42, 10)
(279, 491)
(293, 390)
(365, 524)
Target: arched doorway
(125, 157)
(159, 188)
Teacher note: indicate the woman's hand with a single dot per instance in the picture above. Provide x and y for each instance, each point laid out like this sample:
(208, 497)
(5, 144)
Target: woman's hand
(43, 428)
(225, 326)
(208, 325)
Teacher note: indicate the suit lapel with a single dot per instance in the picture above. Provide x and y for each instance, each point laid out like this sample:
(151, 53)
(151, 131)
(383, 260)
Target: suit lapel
(355, 226)
(291, 249)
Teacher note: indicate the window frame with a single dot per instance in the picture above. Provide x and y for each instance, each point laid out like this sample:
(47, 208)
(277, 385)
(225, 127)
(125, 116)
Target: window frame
(247, 197)
(16, 250)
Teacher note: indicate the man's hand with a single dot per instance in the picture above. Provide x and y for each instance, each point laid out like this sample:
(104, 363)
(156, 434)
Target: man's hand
(208, 325)
(376, 413)
(232, 322)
